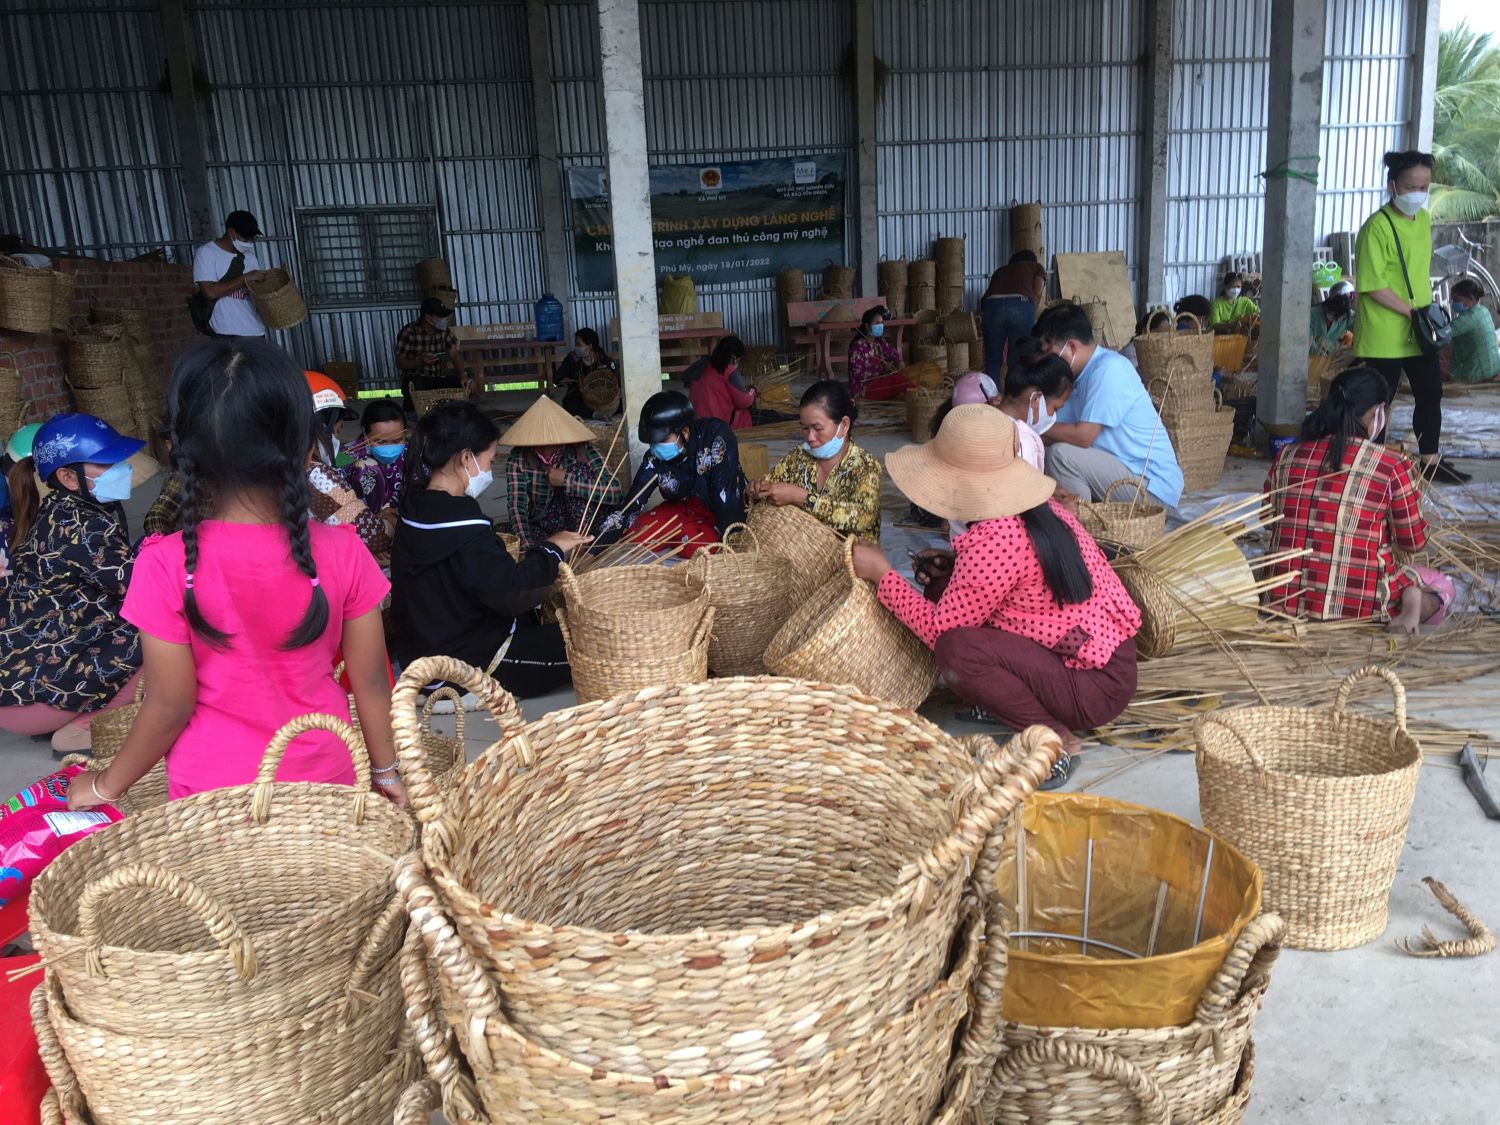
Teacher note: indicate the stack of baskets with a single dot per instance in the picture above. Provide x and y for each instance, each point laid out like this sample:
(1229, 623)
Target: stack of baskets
(1026, 228)
(892, 276)
(26, 298)
(96, 371)
(1320, 799)
(145, 385)
(949, 256)
(633, 627)
(1157, 353)
(1199, 425)
(921, 285)
(633, 911)
(843, 635)
(277, 300)
(1132, 524)
(748, 589)
(12, 408)
(214, 959)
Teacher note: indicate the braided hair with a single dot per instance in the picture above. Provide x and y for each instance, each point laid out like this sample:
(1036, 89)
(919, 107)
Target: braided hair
(241, 421)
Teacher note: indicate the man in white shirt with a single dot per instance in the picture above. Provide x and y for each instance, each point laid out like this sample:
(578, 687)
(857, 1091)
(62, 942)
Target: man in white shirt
(221, 268)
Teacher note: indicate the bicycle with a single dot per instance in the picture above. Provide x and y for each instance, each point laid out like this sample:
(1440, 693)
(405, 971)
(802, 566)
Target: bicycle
(1460, 262)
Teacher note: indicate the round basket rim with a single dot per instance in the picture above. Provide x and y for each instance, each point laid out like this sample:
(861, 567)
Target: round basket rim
(1388, 730)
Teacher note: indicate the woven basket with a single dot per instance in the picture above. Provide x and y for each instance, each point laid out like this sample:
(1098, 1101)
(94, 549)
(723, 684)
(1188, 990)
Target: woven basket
(928, 373)
(1320, 798)
(96, 357)
(1229, 351)
(277, 300)
(957, 359)
(613, 445)
(603, 677)
(1127, 1075)
(922, 405)
(1243, 386)
(843, 635)
(63, 285)
(433, 273)
(958, 328)
(445, 755)
(1156, 351)
(25, 297)
(1193, 586)
(11, 408)
(646, 612)
(600, 390)
(424, 401)
(898, 1074)
(838, 283)
(1132, 524)
(1201, 442)
(814, 549)
(215, 942)
(111, 404)
(1232, 1112)
(1026, 227)
(747, 588)
(1185, 390)
(921, 272)
(670, 833)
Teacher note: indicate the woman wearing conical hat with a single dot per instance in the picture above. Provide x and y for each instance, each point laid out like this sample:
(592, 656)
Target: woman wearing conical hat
(1031, 623)
(556, 477)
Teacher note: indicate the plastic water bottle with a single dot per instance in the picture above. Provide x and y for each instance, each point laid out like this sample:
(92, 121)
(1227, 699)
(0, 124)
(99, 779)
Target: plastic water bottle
(549, 318)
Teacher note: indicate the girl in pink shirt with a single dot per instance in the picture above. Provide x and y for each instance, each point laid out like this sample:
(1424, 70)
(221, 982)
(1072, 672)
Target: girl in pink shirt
(242, 616)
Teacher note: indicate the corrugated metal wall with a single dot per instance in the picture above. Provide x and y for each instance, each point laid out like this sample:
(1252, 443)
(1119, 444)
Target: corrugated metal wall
(1218, 125)
(990, 102)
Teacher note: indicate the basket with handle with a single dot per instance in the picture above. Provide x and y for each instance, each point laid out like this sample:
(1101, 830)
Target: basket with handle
(600, 677)
(747, 588)
(217, 936)
(844, 635)
(96, 357)
(277, 300)
(647, 612)
(814, 549)
(1201, 441)
(25, 297)
(600, 389)
(445, 755)
(1133, 524)
(423, 401)
(1155, 351)
(1129, 1075)
(595, 859)
(1320, 799)
(1182, 391)
(922, 406)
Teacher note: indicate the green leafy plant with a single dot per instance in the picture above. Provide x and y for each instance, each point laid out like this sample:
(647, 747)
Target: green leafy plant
(1466, 127)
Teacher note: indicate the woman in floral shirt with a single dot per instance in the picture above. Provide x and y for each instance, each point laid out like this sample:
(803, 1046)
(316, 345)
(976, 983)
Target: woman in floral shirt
(828, 475)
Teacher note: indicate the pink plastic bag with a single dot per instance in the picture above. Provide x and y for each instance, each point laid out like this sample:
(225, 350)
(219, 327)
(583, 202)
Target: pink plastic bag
(36, 827)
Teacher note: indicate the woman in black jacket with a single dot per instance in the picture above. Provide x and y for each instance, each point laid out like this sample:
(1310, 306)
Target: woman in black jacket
(454, 589)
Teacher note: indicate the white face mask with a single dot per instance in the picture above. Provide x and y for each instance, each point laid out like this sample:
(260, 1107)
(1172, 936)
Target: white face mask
(479, 482)
(1231, 293)
(243, 247)
(1409, 203)
(1377, 423)
(441, 324)
(1038, 417)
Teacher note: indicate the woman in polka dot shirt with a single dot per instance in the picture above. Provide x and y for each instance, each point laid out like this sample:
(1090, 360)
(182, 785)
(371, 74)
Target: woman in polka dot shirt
(1033, 626)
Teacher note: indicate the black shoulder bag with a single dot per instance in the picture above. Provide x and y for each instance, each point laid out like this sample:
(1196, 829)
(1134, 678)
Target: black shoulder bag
(1431, 325)
(201, 306)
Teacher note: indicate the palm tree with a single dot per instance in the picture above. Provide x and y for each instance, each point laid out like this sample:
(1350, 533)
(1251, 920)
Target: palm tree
(1466, 127)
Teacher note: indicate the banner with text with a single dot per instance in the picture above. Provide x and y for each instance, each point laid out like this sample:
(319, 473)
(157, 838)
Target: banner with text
(729, 221)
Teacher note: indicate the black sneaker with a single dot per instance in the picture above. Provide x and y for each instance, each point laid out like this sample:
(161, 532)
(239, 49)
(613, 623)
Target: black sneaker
(1062, 770)
(1442, 471)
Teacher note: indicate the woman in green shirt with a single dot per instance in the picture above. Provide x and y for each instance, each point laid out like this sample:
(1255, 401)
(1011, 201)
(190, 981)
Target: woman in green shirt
(1331, 322)
(1383, 336)
(1229, 308)
(1476, 359)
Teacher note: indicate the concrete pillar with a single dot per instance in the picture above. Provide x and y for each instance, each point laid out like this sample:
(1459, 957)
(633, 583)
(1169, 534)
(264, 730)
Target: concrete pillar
(866, 175)
(1423, 85)
(1151, 254)
(630, 205)
(192, 146)
(549, 174)
(1294, 113)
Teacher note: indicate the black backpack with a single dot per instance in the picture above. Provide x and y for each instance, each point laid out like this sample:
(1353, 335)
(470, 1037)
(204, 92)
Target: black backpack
(201, 307)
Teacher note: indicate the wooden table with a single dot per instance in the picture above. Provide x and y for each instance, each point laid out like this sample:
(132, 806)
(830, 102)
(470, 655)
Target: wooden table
(708, 337)
(506, 352)
(823, 331)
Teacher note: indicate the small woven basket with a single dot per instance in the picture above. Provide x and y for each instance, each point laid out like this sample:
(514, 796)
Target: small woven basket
(922, 405)
(1201, 441)
(1320, 799)
(648, 612)
(843, 634)
(1132, 524)
(1129, 1075)
(815, 550)
(600, 390)
(1229, 351)
(423, 401)
(603, 677)
(1156, 351)
(747, 588)
(277, 300)
(445, 756)
(111, 404)
(1183, 390)
(96, 357)
(25, 297)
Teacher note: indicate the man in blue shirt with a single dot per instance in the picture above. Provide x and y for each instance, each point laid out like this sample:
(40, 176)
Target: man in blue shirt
(1109, 428)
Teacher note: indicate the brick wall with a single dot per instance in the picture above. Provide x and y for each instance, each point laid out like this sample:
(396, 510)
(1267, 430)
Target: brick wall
(157, 287)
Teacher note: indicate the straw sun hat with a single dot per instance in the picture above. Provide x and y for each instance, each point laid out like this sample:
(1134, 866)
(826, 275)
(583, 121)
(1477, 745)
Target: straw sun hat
(970, 470)
(546, 423)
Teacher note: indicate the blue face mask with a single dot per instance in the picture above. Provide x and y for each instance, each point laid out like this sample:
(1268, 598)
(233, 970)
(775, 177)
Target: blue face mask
(666, 450)
(388, 454)
(877, 330)
(112, 484)
(1459, 306)
(828, 450)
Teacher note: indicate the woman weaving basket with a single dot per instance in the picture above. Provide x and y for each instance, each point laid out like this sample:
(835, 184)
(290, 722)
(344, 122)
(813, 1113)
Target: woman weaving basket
(556, 480)
(1033, 626)
(828, 475)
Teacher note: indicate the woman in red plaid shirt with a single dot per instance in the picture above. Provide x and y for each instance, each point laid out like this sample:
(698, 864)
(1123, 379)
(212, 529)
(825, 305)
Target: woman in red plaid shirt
(1352, 504)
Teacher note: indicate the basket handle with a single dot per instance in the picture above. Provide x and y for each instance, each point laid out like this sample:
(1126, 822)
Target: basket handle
(849, 556)
(470, 989)
(445, 692)
(216, 919)
(374, 953)
(1002, 781)
(438, 830)
(1136, 483)
(1250, 752)
(705, 628)
(572, 592)
(747, 529)
(416, 1103)
(1248, 962)
(65, 1089)
(265, 779)
(1194, 317)
(1398, 690)
(1108, 1065)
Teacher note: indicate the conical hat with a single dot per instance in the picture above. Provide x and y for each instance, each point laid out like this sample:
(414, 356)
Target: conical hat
(546, 423)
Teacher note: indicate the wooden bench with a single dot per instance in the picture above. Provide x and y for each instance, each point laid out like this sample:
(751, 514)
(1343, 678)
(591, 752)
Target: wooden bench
(685, 337)
(809, 330)
(504, 353)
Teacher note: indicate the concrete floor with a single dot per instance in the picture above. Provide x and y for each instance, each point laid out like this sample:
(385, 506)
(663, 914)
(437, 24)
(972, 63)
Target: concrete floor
(1360, 1036)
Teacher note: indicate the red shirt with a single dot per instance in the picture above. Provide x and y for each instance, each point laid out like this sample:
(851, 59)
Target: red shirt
(997, 581)
(714, 396)
(1349, 521)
